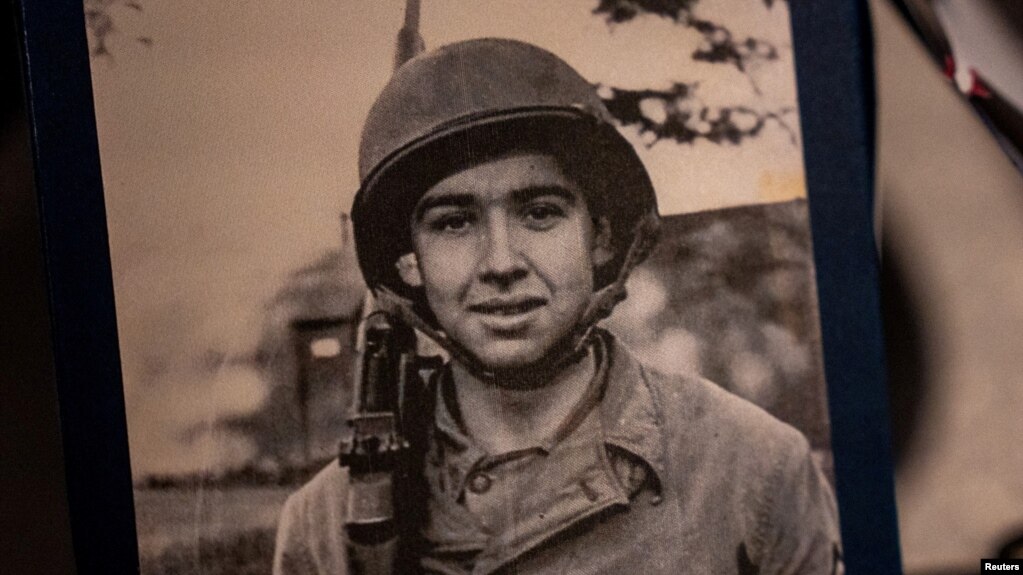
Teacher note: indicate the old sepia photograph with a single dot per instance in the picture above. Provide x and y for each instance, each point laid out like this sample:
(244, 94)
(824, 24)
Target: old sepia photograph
(439, 286)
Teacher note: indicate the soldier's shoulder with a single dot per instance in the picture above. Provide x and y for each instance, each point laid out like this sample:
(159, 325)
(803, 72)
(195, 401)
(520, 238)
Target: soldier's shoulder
(699, 416)
(321, 499)
(310, 525)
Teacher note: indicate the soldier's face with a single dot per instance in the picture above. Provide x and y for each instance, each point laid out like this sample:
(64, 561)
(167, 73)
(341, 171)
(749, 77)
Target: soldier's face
(505, 252)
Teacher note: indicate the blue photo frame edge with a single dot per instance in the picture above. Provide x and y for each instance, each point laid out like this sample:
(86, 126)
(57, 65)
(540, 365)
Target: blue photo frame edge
(832, 45)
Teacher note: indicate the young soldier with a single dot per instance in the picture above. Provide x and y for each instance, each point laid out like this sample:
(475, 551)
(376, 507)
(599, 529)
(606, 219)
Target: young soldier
(500, 212)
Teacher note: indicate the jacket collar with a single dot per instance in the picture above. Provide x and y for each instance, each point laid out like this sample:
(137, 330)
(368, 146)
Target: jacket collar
(631, 414)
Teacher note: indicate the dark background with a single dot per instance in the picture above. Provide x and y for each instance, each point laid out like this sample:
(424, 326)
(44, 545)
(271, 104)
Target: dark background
(34, 531)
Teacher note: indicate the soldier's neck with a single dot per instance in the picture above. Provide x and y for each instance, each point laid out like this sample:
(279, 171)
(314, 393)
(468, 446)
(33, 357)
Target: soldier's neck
(502, 419)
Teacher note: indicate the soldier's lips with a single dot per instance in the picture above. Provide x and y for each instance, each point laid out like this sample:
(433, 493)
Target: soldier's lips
(507, 307)
(508, 317)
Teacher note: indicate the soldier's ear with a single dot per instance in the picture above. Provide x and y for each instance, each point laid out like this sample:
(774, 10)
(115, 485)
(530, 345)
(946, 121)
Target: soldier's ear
(602, 251)
(408, 270)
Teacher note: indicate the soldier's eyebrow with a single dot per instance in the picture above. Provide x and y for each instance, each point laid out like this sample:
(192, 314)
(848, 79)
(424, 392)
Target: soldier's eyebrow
(531, 193)
(443, 200)
(465, 200)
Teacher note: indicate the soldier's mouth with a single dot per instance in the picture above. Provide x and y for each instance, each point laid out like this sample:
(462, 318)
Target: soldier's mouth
(507, 307)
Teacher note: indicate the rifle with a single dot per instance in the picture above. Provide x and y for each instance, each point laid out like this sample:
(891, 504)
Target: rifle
(385, 452)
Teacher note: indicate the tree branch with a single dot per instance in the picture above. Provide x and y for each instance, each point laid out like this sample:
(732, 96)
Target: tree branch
(676, 114)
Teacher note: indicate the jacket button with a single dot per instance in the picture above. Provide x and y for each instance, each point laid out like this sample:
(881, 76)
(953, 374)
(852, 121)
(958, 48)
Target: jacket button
(479, 483)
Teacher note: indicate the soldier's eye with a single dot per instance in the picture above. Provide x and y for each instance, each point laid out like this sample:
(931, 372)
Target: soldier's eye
(456, 222)
(543, 213)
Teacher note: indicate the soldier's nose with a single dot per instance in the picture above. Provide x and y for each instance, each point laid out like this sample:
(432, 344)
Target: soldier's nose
(501, 262)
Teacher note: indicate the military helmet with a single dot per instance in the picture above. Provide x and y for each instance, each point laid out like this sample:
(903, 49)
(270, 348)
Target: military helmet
(470, 101)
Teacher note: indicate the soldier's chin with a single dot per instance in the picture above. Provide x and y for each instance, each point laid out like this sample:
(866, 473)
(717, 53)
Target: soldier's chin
(523, 369)
(509, 357)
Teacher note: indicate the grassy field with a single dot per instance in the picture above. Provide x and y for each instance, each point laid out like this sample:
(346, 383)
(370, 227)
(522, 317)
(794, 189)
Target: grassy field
(207, 531)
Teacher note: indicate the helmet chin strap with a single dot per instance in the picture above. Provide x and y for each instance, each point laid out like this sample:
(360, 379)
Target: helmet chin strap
(567, 351)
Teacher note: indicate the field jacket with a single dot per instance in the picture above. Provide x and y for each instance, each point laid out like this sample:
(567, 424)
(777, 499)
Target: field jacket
(723, 488)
